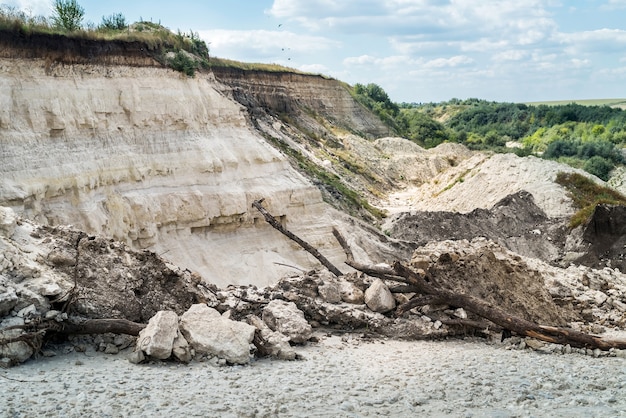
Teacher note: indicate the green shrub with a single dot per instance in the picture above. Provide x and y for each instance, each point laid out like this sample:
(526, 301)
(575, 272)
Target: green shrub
(183, 63)
(113, 22)
(67, 15)
(599, 167)
(561, 148)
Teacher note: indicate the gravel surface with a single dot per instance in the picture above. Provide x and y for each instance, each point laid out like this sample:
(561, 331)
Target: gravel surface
(339, 377)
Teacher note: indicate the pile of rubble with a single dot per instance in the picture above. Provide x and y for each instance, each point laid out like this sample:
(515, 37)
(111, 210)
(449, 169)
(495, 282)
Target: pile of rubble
(62, 276)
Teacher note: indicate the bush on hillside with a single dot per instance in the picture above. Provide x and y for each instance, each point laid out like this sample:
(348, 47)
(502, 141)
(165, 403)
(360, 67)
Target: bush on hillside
(68, 15)
(599, 167)
(113, 22)
(184, 63)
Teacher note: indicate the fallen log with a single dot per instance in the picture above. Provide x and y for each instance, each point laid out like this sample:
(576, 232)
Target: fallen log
(34, 334)
(432, 294)
(305, 245)
(102, 326)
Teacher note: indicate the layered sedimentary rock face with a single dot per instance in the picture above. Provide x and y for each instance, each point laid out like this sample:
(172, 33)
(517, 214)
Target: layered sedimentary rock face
(153, 159)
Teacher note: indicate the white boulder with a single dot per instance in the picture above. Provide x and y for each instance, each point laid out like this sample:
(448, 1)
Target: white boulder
(8, 221)
(351, 293)
(378, 297)
(330, 291)
(16, 352)
(180, 348)
(271, 343)
(8, 299)
(157, 339)
(208, 332)
(286, 318)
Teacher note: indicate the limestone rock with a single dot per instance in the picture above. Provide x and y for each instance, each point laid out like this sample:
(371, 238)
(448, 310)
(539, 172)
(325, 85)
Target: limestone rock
(286, 318)
(378, 297)
(8, 221)
(8, 299)
(17, 352)
(330, 291)
(61, 257)
(180, 348)
(49, 286)
(136, 356)
(271, 343)
(157, 338)
(208, 332)
(351, 293)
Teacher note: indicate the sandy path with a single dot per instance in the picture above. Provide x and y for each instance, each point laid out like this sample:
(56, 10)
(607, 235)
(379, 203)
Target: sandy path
(337, 378)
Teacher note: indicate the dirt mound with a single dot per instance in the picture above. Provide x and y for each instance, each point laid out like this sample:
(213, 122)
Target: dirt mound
(99, 278)
(485, 270)
(514, 222)
(604, 237)
(482, 180)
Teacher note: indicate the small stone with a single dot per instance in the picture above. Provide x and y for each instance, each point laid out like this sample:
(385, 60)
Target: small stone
(286, 318)
(80, 348)
(378, 297)
(111, 349)
(534, 344)
(620, 353)
(437, 324)
(350, 293)
(460, 313)
(346, 406)
(136, 357)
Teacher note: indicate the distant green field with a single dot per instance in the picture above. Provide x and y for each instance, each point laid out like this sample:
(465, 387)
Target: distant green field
(589, 102)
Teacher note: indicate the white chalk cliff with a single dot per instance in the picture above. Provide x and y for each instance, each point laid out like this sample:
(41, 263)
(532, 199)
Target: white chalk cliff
(157, 160)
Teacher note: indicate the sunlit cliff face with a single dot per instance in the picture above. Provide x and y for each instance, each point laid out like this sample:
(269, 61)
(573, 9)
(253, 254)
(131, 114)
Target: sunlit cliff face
(154, 159)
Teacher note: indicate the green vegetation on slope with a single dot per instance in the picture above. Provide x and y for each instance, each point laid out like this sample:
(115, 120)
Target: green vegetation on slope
(330, 182)
(586, 195)
(586, 102)
(181, 51)
(588, 137)
(184, 52)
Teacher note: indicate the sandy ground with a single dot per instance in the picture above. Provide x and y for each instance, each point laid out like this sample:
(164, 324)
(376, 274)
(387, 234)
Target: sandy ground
(338, 378)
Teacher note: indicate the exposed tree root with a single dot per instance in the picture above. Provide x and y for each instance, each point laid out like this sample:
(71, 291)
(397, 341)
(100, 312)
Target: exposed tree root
(431, 294)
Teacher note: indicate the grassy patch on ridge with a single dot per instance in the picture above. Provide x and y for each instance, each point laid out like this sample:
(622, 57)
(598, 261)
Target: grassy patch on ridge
(586, 195)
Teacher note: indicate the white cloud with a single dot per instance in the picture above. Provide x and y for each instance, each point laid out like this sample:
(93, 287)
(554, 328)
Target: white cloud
(580, 63)
(32, 7)
(361, 60)
(511, 55)
(263, 43)
(449, 62)
(595, 41)
(614, 5)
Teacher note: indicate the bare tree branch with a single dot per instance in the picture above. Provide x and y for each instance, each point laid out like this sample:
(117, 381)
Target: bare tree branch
(312, 250)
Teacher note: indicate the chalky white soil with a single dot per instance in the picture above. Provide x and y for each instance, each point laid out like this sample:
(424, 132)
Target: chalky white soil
(337, 378)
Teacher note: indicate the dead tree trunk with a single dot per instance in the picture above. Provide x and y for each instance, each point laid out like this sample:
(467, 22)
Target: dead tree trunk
(432, 294)
(102, 326)
(34, 334)
(312, 250)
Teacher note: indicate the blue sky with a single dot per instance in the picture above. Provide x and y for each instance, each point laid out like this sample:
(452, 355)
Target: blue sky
(417, 50)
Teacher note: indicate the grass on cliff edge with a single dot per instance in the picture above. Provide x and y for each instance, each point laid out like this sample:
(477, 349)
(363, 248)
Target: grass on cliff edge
(153, 35)
(329, 180)
(586, 195)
